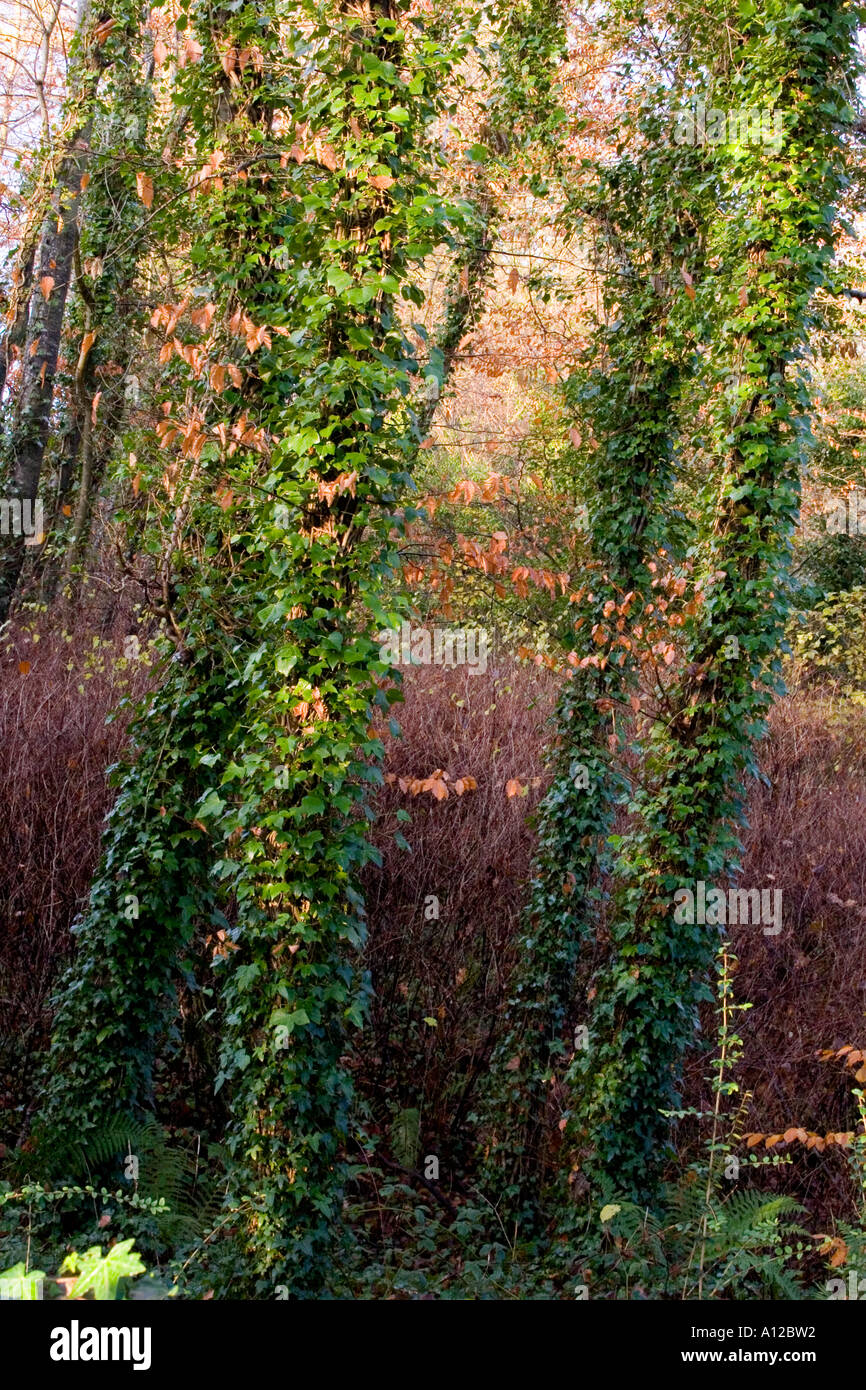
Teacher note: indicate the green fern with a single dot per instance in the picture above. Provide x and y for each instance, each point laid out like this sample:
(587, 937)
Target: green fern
(138, 1155)
(406, 1137)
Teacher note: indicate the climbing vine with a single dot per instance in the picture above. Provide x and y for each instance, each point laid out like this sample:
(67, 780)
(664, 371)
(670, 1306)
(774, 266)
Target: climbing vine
(764, 258)
(291, 442)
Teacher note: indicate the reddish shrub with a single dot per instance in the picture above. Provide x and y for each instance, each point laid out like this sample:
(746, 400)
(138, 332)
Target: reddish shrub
(470, 853)
(56, 690)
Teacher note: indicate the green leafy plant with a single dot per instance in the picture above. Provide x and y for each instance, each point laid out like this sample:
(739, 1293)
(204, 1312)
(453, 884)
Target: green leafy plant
(829, 645)
(100, 1274)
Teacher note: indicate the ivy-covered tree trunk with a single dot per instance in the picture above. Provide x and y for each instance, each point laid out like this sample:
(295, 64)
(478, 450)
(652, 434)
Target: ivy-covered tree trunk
(107, 315)
(768, 250)
(292, 436)
(710, 258)
(625, 407)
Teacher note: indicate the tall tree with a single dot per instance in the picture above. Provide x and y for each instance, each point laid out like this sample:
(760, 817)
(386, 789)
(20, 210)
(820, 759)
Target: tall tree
(244, 802)
(47, 266)
(767, 250)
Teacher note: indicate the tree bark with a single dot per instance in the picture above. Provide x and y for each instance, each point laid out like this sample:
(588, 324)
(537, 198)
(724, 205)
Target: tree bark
(53, 270)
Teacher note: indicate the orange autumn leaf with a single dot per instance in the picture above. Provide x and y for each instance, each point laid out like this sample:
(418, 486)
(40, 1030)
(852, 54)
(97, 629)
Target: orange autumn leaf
(326, 155)
(144, 189)
(87, 342)
(46, 285)
(24, 667)
(513, 787)
(192, 51)
(465, 784)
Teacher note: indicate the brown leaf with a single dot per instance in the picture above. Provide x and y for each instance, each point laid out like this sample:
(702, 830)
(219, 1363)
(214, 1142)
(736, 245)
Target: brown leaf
(46, 285)
(87, 342)
(24, 668)
(382, 181)
(160, 52)
(326, 155)
(840, 1254)
(513, 279)
(144, 189)
(85, 180)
